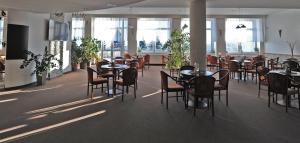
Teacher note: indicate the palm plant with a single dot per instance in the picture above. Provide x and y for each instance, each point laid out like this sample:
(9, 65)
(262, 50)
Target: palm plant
(89, 48)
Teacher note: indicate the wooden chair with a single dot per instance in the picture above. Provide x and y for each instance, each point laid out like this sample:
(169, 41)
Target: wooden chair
(127, 55)
(293, 65)
(252, 69)
(164, 60)
(103, 72)
(95, 81)
(141, 65)
(279, 84)
(147, 60)
(212, 62)
(170, 87)
(274, 64)
(262, 77)
(204, 88)
(222, 83)
(128, 80)
(235, 67)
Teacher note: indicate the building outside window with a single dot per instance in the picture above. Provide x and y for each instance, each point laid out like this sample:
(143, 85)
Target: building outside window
(152, 34)
(210, 33)
(113, 33)
(78, 26)
(243, 40)
(1, 32)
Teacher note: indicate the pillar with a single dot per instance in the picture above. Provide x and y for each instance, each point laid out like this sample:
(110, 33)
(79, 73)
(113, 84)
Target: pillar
(198, 32)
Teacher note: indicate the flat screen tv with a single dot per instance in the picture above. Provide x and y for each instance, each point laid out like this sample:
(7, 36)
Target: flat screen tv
(17, 41)
(58, 31)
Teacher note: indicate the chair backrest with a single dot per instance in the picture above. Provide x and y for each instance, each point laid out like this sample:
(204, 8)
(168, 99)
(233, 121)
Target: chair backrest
(233, 66)
(293, 65)
(141, 63)
(262, 73)
(147, 58)
(101, 70)
(278, 83)
(224, 77)
(127, 56)
(129, 76)
(90, 74)
(187, 67)
(164, 80)
(213, 60)
(2, 66)
(204, 86)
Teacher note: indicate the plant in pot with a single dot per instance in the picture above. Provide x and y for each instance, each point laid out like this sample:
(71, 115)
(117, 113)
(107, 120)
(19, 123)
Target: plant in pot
(178, 47)
(90, 47)
(75, 55)
(42, 64)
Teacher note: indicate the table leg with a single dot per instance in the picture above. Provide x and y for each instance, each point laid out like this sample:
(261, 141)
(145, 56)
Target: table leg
(114, 81)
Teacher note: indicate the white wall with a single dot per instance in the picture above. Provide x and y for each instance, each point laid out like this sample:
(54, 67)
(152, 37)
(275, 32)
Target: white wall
(289, 23)
(36, 42)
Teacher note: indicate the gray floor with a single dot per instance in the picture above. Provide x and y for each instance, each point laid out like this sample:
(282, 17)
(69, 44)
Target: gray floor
(246, 120)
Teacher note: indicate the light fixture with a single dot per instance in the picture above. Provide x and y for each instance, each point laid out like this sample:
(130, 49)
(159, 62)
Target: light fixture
(240, 26)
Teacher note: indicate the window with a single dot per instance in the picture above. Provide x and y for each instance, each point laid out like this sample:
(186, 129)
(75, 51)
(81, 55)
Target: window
(210, 33)
(152, 34)
(1, 32)
(78, 29)
(243, 39)
(113, 33)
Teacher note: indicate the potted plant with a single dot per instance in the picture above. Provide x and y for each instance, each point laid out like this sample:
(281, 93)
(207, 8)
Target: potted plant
(178, 47)
(42, 64)
(75, 55)
(90, 47)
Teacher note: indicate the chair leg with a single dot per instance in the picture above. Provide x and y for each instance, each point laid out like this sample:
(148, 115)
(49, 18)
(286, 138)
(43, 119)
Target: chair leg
(177, 96)
(107, 84)
(88, 89)
(298, 99)
(286, 103)
(122, 93)
(162, 96)
(219, 95)
(227, 97)
(212, 106)
(258, 89)
(269, 98)
(92, 92)
(134, 91)
(167, 100)
(195, 105)
(102, 88)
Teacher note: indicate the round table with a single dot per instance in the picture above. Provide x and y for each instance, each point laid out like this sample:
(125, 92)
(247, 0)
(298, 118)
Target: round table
(114, 70)
(293, 103)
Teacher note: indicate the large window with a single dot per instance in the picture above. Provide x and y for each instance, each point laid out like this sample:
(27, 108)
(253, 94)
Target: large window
(239, 40)
(78, 29)
(210, 33)
(152, 34)
(113, 33)
(1, 32)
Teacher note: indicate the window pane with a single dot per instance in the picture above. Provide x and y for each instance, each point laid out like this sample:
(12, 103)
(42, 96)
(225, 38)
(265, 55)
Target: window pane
(77, 29)
(113, 32)
(210, 40)
(152, 34)
(247, 37)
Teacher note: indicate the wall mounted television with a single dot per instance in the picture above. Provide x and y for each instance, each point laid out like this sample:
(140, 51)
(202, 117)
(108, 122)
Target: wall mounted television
(17, 41)
(58, 31)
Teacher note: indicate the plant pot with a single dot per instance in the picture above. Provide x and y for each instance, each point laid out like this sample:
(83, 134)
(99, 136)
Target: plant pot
(83, 65)
(41, 79)
(75, 67)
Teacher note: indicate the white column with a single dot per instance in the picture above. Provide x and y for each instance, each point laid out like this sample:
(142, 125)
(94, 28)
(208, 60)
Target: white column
(221, 45)
(198, 32)
(132, 43)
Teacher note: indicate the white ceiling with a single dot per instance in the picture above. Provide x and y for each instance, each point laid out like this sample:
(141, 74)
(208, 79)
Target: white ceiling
(46, 6)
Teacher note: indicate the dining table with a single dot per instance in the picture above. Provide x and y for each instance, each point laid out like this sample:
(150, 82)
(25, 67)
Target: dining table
(115, 68)
(293, 74)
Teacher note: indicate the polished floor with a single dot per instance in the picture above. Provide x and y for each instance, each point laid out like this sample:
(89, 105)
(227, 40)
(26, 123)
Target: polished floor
(60, 112)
